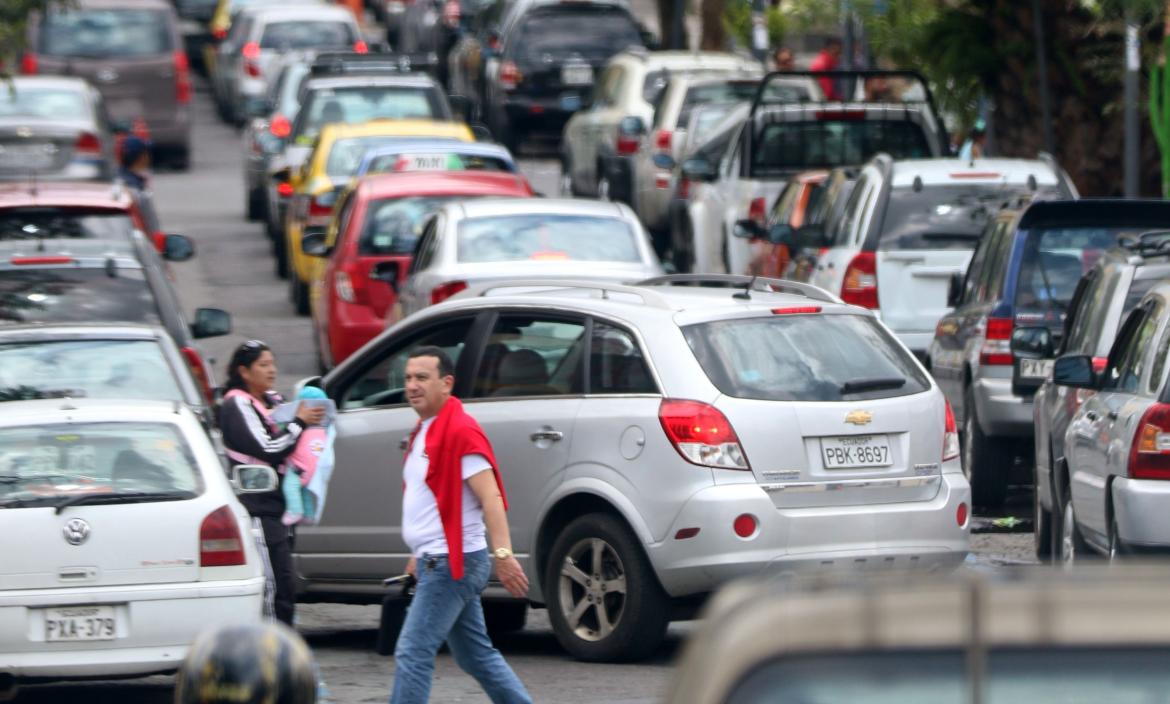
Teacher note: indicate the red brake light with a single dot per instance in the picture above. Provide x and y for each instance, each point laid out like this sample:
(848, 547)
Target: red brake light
(860, 285)
(997, 343)
(251, 50)
(87, 145)
(279, 126)
(34, 261)
(840, 114)
(28, 64)
(509, 75)
(796, 310)
(195, 364)
(444, 291)
(701, 434)
(662, 140)
(1149, 455)
(758, 211)
(950, 437)
(182, 78)
(284, 189)
(220, 543)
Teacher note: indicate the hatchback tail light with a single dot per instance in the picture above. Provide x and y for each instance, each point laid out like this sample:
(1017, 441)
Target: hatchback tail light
(950, 435)
(509, 75)
(444, 291)
(1149, 455)
(662, 139)
(997, 343)
(199, 371)
(860, 287)
(758, 211)
(182, 78)
(28, 64)
(701, 434)
(279, 126)
(87, 146)
(220, 543)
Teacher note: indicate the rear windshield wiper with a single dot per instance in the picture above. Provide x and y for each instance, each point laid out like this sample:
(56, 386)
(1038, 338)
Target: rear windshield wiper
(856, 386)
(122, 497)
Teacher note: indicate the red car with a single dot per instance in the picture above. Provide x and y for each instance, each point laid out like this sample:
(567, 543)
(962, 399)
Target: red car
(380, 220)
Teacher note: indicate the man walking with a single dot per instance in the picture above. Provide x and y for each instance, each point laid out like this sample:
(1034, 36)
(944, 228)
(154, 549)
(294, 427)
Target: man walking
(452, 491)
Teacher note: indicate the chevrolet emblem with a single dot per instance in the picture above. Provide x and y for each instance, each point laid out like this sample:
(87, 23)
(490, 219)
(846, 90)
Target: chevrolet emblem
(859, 417)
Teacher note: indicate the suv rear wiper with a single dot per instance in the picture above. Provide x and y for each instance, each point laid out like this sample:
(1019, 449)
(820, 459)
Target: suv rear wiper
(122, 497)
(855, 386)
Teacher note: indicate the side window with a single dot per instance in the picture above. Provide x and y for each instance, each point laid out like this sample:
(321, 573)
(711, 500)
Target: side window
(1128, 361)
(532, 355)
(384, 383)
(616, 365)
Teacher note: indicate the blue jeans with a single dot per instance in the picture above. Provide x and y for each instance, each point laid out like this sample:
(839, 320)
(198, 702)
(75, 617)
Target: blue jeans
(450, 610)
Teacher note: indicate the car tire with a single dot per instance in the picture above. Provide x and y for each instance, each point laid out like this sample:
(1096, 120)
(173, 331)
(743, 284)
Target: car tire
(634, 622)
(505, 617)
(986, 463)
(298, 294)
(1073, 547)
(255, 205)
(1042, 523)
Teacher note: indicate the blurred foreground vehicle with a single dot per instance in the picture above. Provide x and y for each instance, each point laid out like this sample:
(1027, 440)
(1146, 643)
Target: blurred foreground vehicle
(54, 128)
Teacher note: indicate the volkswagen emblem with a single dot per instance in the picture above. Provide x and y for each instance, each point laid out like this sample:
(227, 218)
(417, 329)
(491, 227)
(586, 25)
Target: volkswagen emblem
(76, 531)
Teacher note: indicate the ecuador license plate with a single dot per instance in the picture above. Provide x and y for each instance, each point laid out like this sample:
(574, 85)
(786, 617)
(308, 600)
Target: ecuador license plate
(855, 451)
(80, 623)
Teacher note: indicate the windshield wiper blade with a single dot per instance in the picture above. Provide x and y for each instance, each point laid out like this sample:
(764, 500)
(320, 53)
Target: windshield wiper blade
(122, 497)
(855, 386)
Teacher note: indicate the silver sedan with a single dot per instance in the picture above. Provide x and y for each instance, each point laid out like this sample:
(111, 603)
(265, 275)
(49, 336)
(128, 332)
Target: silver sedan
(480, 241)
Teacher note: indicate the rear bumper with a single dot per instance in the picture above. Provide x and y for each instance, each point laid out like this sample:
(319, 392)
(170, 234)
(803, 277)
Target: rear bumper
(158, 624)
(920, 534)
(1001, 412)
(1142, 508)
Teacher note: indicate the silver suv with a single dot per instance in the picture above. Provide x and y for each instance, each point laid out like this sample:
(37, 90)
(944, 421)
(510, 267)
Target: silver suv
(656, 441)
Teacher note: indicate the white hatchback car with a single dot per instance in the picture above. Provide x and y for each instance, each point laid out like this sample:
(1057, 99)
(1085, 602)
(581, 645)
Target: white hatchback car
(124, 539)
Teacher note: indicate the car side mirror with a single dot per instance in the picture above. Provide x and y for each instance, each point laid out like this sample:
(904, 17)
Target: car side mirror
(747, 229)
(461, 107)
(178, 248)
(1033, 342)
(955, 290)
(387, 272)
(632, 125)
(780, 233)
(211, 322)
(699, 169)
(1075, 370)
(253, 478)
(314, 242)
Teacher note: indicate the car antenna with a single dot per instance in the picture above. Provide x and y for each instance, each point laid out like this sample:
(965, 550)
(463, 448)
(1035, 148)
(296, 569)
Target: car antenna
(746, 293)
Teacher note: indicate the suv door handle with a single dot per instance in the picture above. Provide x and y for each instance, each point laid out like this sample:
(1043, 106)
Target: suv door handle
(547, 433)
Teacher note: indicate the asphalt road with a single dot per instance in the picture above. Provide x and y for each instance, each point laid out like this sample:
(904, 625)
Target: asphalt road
(233, 270)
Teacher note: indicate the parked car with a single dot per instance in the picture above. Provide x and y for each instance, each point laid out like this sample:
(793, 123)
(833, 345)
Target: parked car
(960, 637)
(270, 125)
(369, 245)
(1023, 274)
(54, 127)
(638, 427)
(1104, 297)
(126, 540)
(771, 255)
(132, 52)
(472, 243)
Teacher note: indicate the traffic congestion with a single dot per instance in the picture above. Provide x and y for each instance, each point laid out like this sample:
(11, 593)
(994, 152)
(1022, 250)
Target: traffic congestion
(750, 347)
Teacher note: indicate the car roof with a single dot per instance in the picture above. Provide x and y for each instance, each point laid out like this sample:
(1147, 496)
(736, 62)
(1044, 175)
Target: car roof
(89, 410)
(488, 207)
(397, 128)
(1100, 212)
(470, 183)
(80, 331)
(79, 194)
(939, 172)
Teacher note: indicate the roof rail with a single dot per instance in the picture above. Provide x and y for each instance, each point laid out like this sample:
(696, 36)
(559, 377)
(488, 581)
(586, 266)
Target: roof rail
(754, 283)
(1147, 244)
(651, 298)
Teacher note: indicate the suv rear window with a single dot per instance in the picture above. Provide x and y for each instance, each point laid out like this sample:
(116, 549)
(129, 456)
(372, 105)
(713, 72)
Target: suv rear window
(942, 217)
(804, 358)
(509, 238)
(63, 223)
(1055, 259)
(108, 463)
(357, 105)
(304, 34)
(60, 295)
(106, 33)
(86, 369)
(807, 144)
(594, 33)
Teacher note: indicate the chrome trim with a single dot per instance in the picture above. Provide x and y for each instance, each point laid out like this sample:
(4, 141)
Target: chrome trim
(838, 484)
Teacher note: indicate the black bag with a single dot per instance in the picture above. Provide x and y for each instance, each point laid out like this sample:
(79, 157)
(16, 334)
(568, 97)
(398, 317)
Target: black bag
(393, 616)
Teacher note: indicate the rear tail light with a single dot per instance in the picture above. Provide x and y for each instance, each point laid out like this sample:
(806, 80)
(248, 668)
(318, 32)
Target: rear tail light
(758, 211)
(284, 189)
(1149, 456)
(220, 543)
(451, 14)
(662, 140)
(950, 436)
(997, 343)
(444, 291)
(509, 75)
(87, 145)
(199, 371)
(701, 434)
(279, 126)
(28, 64)
(860, 285)
(182, 78)
(360, 47)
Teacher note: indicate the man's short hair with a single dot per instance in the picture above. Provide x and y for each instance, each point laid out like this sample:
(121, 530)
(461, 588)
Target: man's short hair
(446, 366)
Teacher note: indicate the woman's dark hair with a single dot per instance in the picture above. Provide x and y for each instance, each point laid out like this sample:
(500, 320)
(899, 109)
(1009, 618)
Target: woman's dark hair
(244, 356)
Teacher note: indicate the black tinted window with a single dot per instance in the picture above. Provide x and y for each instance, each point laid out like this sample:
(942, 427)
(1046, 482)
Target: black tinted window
(804, 358)
(38, 223)
(101, 33)
(61, 295)
(592, 32)
(940, 217)
(306, 35)
(784, 146)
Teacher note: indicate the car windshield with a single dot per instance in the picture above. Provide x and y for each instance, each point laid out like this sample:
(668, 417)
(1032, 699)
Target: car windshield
(943, 217)
(589, 32)
(358, 105)
(106, 33)
(86, 369)
(825, 143)
(68, 295)
(1041, 675)
(306, 34)
(18, 100)
(46, 464)
(547, 237)
(1054, 260)
(804, 358)
(393, 225)
(63, 223)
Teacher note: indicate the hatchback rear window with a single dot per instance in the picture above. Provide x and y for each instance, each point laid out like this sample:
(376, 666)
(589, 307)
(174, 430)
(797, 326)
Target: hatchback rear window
(358, 105)
(106, 33)
(108, 463)
(63, 223)
(86, 369)
(546, 237)
(821, 144)
(1055, 259)
(17, 100)
(393, 225)
(61, 295)
(804, 358)
(594, 33)
(942, 217)
(303, 34)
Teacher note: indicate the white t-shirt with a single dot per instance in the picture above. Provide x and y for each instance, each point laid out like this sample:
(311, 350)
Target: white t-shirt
(422, 528)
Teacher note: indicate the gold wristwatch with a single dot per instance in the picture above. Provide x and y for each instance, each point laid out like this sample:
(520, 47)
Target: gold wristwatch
(502, 553)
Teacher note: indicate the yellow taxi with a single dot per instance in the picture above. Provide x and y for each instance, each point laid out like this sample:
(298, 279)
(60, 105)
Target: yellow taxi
(335, 158)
